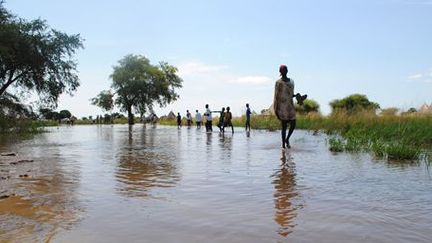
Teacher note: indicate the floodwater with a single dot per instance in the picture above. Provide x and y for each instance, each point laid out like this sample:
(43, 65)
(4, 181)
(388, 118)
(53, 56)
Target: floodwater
(163, 184)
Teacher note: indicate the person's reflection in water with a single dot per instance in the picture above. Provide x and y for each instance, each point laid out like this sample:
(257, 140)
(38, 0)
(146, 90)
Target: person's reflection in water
(225, 143)
(209, 139)
(284, 195)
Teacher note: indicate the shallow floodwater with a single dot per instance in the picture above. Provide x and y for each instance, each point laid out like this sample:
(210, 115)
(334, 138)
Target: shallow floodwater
(163, 184)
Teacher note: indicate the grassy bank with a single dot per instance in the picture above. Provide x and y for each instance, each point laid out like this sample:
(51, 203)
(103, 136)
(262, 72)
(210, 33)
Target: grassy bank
(396, 137)
(19, 126)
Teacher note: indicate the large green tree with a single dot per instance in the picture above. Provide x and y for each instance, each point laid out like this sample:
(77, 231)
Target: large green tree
(354, 103)
(139, 85)
(34, 57)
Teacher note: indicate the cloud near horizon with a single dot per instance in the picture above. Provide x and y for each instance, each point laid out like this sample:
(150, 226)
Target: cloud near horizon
(425, 77)
(220, 72)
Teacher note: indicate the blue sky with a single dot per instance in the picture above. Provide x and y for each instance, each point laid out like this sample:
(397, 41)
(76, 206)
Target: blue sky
(228, 52)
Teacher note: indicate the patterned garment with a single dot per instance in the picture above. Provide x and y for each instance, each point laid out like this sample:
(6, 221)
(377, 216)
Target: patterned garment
(283, 104)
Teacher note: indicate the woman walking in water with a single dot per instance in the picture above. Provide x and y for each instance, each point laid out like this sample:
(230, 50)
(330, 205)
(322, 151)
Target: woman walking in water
(284, 106)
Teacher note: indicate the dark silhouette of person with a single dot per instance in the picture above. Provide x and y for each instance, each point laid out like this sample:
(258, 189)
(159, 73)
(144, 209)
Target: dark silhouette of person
(248, 115)
(179, 120)
(221, 122)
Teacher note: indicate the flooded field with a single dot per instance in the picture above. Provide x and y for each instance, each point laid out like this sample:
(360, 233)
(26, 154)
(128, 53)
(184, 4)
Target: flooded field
(163, 184)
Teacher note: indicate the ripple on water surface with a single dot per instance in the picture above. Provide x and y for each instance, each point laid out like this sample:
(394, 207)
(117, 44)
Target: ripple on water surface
(163, 184)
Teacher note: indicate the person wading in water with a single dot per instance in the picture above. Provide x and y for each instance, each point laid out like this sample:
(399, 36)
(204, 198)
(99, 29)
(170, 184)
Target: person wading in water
(284, 106)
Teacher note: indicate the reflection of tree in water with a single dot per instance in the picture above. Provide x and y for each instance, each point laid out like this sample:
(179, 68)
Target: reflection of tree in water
(284, 196)
(137, 175)
(142, 167)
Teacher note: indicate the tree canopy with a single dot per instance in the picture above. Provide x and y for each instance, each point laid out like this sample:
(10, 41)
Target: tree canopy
(104, 100)
(65, 114)
(34, 57)
(354, 103)
(139, 85)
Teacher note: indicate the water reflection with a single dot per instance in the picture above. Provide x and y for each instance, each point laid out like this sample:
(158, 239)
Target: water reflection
(285, 192)
(225, 143)
(142, 168)
(41, 195)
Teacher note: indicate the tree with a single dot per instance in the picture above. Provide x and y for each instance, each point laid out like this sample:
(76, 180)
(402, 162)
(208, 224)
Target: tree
(10, 105)
(65, 114)
(34, 57)
(104, 100)
(412, 110)
(139, 84)
(308, 106)
(354, 103)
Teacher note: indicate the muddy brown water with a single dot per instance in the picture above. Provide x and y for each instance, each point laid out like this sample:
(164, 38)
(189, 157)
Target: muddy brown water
(163, 184)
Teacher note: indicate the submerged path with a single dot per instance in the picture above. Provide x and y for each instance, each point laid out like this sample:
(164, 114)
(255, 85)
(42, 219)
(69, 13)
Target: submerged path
(163, 184)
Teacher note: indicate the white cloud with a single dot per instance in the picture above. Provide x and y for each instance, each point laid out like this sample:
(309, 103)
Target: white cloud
(425, 77)
(198, 68)
(415, 76)
(252, 80)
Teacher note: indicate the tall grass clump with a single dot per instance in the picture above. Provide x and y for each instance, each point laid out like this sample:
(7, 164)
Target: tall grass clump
(397, 137)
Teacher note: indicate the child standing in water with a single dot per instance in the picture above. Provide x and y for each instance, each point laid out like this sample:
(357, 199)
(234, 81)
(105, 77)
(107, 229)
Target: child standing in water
(228, 122)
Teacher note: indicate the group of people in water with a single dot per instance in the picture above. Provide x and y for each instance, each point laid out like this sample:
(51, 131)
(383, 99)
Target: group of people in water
(225, 119)
(283, 108)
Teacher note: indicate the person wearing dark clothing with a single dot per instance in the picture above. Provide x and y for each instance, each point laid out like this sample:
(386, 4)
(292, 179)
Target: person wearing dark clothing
(221, 119)
(179, 120)
(248, 115)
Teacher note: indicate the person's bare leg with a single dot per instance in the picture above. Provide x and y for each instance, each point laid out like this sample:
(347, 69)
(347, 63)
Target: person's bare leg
(291, 130)
(283, 132)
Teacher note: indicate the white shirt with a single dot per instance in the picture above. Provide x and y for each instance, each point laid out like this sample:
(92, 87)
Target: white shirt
(209, 114)
(198, 117)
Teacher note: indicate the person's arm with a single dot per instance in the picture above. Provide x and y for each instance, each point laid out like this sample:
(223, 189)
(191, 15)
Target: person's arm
(275, 100)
